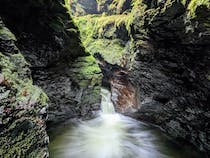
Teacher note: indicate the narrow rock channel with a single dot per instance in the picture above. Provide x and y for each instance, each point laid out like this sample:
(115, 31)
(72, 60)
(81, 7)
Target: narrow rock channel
(112, 135)
(76, 74)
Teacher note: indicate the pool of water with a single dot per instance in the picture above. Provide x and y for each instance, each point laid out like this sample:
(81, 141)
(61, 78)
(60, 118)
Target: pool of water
(112, 135)
(74, 141)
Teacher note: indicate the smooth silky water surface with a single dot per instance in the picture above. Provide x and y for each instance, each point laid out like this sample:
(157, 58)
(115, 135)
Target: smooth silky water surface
(112, 135)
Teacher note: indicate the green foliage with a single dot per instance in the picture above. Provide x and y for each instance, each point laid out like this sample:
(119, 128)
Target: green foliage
(112, 50)
(93, 28)
(115, 20)
(5, 34)
(67, 5)
(95, 24)
(117, 4)
(194, 4)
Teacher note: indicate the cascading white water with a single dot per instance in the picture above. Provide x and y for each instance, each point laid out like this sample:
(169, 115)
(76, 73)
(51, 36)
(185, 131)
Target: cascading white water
(110, 135)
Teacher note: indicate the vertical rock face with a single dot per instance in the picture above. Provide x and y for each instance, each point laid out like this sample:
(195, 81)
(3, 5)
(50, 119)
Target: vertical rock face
(46, 26)
(170, 41)
(73, 89)
(22, 104)
(48, 39)
(172, 66)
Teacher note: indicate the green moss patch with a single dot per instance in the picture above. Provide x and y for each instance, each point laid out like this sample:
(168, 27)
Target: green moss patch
(86, 72)
(98, 34)
(195, 4)
(22, 126)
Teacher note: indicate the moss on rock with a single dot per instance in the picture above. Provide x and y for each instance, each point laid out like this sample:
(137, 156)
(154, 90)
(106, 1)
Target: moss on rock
(105, 34)
(194, 5)
(86, 72)
(22, 125)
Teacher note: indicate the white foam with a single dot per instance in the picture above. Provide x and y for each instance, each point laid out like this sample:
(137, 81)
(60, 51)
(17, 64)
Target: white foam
(110, 135)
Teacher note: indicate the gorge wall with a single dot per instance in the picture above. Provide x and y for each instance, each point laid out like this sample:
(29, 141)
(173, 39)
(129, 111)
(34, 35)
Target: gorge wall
(165, 44)
(23, 105)
(44, 49)
(172, 66)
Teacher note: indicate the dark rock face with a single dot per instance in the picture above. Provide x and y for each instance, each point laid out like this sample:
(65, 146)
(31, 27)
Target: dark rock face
(73, 89)
(111, 31)
(44, 25)
(172, 68)
(49, 40)
(22, 104)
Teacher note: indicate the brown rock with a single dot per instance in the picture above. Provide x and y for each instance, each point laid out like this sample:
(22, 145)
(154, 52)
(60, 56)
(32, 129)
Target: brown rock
(1, 78)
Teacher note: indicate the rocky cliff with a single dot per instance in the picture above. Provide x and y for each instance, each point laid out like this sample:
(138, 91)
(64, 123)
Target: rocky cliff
(50, 42)
(44, 49)
(170, 42)
(163, 43)
(22, 104)
(171, 66)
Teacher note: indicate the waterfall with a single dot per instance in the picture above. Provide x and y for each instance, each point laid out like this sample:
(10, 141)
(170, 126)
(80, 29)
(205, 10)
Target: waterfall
(107, 106)
(110, 135)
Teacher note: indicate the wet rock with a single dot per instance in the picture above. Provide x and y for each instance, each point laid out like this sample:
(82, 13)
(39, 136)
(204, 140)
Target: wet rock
(22, 130)
(72, 87)
(50, 42)
(1, 78)
(171, 65)
(175, 129)
(50, 34)
(123, 93)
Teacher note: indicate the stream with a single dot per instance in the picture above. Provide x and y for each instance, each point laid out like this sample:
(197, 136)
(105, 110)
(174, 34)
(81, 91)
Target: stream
(112, 135)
